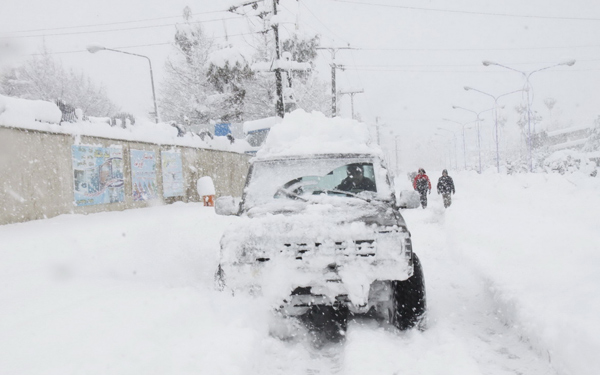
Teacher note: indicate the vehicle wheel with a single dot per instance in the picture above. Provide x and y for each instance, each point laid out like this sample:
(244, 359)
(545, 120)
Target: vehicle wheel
(326, 323)
(409, 299)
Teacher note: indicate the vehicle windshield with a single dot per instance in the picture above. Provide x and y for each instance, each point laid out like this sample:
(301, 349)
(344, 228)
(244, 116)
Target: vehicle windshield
(305, 179)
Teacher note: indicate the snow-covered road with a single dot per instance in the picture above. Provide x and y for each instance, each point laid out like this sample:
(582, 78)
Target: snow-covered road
(131, 292)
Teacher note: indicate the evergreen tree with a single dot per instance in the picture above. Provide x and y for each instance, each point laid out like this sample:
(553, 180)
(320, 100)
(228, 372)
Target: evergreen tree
(229, 74)
(185, 90)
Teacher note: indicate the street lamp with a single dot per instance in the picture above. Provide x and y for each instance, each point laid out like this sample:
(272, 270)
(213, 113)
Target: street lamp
(449, 149)
(96, 48)
(478, 119)
(396, 150)
(467, 88)
(463, 133)
(528, 89)
(455, 147)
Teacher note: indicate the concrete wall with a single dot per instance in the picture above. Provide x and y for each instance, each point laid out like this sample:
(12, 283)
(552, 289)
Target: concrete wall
(36, 174)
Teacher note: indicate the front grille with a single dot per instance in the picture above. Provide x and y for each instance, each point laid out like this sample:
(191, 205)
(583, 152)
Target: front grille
(360, 248)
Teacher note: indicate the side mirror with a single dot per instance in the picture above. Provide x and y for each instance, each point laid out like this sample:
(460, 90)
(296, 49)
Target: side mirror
(227, 206)
(409, 199)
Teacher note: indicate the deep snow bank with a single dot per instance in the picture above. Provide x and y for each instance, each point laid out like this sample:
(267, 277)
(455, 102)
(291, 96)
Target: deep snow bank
(20, 112)
(535, 237)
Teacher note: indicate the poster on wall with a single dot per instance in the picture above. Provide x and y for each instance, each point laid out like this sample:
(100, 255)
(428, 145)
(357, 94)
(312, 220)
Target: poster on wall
(143, 175)
(172, 172)
(97, 175)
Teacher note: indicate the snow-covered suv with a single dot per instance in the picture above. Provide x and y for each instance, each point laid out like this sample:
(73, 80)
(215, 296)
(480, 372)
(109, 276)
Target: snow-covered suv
(320, 248)
(321, 236)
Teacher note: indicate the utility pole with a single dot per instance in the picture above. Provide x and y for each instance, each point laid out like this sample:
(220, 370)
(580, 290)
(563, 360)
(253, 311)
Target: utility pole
(352, 93)
(279, 87)
(283, 61)
(334, 66)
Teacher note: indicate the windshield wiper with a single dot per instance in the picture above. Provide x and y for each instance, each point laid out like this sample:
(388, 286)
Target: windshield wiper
(291, 194)
(348, 193)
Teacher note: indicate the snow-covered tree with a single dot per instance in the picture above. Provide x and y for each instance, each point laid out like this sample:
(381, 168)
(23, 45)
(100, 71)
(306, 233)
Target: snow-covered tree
(310, 92)
(228, 73)
(185, 90)
(593, 142)
(205, 82)
(44, 78)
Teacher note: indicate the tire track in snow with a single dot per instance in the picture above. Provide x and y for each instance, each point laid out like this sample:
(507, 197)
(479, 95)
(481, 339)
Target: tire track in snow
(461, 303)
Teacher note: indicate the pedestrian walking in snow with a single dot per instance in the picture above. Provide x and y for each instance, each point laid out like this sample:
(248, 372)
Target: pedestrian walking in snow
(445, 186)
(422, 184)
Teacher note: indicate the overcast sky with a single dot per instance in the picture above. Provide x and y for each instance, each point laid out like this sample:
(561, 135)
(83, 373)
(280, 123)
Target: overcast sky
(411, 58)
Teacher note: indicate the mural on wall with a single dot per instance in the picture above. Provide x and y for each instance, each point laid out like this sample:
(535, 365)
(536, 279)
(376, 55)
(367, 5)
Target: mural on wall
(143, 175)
(97, 175)
(172, 172)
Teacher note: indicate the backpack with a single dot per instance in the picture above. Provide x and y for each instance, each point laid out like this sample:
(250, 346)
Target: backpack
(422, 184)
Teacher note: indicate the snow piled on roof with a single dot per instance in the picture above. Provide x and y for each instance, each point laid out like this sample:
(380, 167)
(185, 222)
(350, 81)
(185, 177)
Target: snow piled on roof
(302, 133)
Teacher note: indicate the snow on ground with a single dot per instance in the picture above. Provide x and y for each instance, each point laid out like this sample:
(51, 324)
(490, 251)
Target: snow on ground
(511, 273)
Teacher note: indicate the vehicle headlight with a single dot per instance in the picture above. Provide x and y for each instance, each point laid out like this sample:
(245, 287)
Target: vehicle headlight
(392, 243)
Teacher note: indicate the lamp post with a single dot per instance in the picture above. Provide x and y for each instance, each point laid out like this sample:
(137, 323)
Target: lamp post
(463, 134)
(478, 119)
(528, 89)
(96, 48)
(396, 150)
(467, 88)
(449, 156)
(455, 147)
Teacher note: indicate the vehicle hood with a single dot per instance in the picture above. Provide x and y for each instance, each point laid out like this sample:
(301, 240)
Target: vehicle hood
(296, 243)
(332, 211)
(273, 226)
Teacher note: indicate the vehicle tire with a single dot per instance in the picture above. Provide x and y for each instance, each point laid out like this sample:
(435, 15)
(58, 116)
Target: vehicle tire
(409, 299)
(326, 323)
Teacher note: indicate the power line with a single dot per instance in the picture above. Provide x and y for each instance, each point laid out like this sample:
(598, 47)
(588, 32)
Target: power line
(122, 29)
(470, 12)
(475, 49)
(366, 69)
(133, 46)
(321, 22)
(362, 84)
(452, 65)
(112, 23)
(84, 50)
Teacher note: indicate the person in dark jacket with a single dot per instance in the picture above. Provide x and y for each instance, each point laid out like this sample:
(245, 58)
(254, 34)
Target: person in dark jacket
(356, 180)
(422, 184)
(445, 186)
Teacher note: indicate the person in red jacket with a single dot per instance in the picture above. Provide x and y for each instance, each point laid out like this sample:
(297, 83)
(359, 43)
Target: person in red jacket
(422, 184)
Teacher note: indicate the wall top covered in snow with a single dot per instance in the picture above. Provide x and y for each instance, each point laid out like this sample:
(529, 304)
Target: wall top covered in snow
(302, 133)
(46, 117)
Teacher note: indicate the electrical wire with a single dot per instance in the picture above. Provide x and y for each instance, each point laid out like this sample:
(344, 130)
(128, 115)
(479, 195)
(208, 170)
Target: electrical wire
(122, 29)
(563, 18)
(473, 49)
(321, 22)
(111, 23)
(133, 46)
